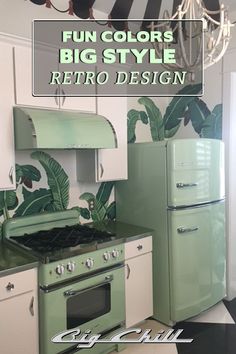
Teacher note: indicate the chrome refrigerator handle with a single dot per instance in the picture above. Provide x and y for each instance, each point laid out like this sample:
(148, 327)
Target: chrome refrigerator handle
(183, 230)
(186, 185)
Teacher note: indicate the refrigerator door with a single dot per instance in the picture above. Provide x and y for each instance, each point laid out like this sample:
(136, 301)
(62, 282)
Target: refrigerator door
(195, 171)
(197, 259)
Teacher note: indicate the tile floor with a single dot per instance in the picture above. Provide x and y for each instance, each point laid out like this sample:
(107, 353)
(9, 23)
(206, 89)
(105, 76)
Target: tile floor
(213, 332)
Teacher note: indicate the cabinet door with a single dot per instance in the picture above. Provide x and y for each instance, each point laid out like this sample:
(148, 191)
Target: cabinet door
(23, 79)
(18, 325)
(138, 289)
(197, 259)
(7, 153)
(112, 163)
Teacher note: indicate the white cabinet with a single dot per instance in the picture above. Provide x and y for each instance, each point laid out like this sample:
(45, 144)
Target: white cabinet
(23, 78)
(112, 163)
(107, 164)
(138, 281)
(7, 153)
(19, 313)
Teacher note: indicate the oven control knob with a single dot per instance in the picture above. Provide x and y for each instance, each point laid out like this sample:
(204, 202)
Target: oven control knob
(71, 267)
(89, 263)
(106, 256)
(115, 253)
(60, 269)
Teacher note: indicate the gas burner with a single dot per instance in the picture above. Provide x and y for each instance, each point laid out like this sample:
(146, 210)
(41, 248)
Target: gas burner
(60, 238)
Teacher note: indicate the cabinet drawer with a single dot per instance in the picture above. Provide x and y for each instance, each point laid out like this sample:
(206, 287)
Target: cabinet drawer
(138, 247)
(18, 283)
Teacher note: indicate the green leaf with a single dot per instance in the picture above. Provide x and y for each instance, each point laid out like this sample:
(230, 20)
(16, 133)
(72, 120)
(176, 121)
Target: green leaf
(87, 196)
(35, 203)
(104, 192)
(111, 211)
(178, 105)
(58, 180)
(28, 171)
(26, 193)
(144, 117)
(85, 213)
(8, 200)
(98, 213)
(198, 112)
(212, 127)
(133, 117)
(170, 133)
(155, 118)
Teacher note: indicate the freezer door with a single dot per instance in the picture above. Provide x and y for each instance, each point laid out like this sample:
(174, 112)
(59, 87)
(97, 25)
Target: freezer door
(197, 259)
(195, 171)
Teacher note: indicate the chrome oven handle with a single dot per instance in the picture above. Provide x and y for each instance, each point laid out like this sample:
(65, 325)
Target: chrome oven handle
(108, 279)
(182, 230)
(186, 185)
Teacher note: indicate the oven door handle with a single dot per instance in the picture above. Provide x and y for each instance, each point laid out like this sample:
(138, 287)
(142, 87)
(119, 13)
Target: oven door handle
(108, 279)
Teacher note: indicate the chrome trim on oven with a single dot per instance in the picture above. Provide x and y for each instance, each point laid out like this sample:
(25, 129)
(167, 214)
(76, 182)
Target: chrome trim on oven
(50, 288)
(108, 279)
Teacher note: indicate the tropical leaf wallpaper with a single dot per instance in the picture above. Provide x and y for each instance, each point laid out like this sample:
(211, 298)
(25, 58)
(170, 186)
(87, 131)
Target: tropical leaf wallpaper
(55, 196)
(206, 124)
(27, 199)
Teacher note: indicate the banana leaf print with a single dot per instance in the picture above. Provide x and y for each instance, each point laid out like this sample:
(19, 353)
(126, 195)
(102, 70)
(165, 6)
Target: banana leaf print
(207, 124)
(111, 211)
(98, 206)
(212, 126)
(197, 113)
(26, 174)
(155, 118)
(133, 117)
(8, 201)
(35, 202)
(58, 180)
(178, 106)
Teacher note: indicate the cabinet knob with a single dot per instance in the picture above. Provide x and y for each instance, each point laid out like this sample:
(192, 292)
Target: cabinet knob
(10, 286)
(139, 247)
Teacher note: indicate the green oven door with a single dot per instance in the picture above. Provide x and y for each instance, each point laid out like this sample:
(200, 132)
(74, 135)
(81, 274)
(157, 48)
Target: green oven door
(96, 303)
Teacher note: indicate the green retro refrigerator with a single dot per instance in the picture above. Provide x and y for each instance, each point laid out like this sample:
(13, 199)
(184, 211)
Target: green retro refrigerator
(176, 188)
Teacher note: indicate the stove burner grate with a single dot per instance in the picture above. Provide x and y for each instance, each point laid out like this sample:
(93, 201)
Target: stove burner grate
(59, 238)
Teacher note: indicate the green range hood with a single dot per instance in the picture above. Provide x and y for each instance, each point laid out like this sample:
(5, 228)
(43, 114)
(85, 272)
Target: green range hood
(37, 128)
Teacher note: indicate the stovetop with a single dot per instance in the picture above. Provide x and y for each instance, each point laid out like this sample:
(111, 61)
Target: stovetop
(54, 244)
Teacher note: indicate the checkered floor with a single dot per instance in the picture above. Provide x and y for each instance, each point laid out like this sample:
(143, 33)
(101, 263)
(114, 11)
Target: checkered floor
(213, 332)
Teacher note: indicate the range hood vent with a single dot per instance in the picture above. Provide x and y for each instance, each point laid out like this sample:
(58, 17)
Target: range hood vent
(56, 129)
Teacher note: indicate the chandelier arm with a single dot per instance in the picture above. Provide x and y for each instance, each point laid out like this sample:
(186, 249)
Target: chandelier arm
(219, 38)
(211, 19)
(223, 50)
(181, 42)
(199, 56)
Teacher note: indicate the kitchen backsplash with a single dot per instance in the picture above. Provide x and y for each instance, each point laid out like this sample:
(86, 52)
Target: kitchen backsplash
(44, 185)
